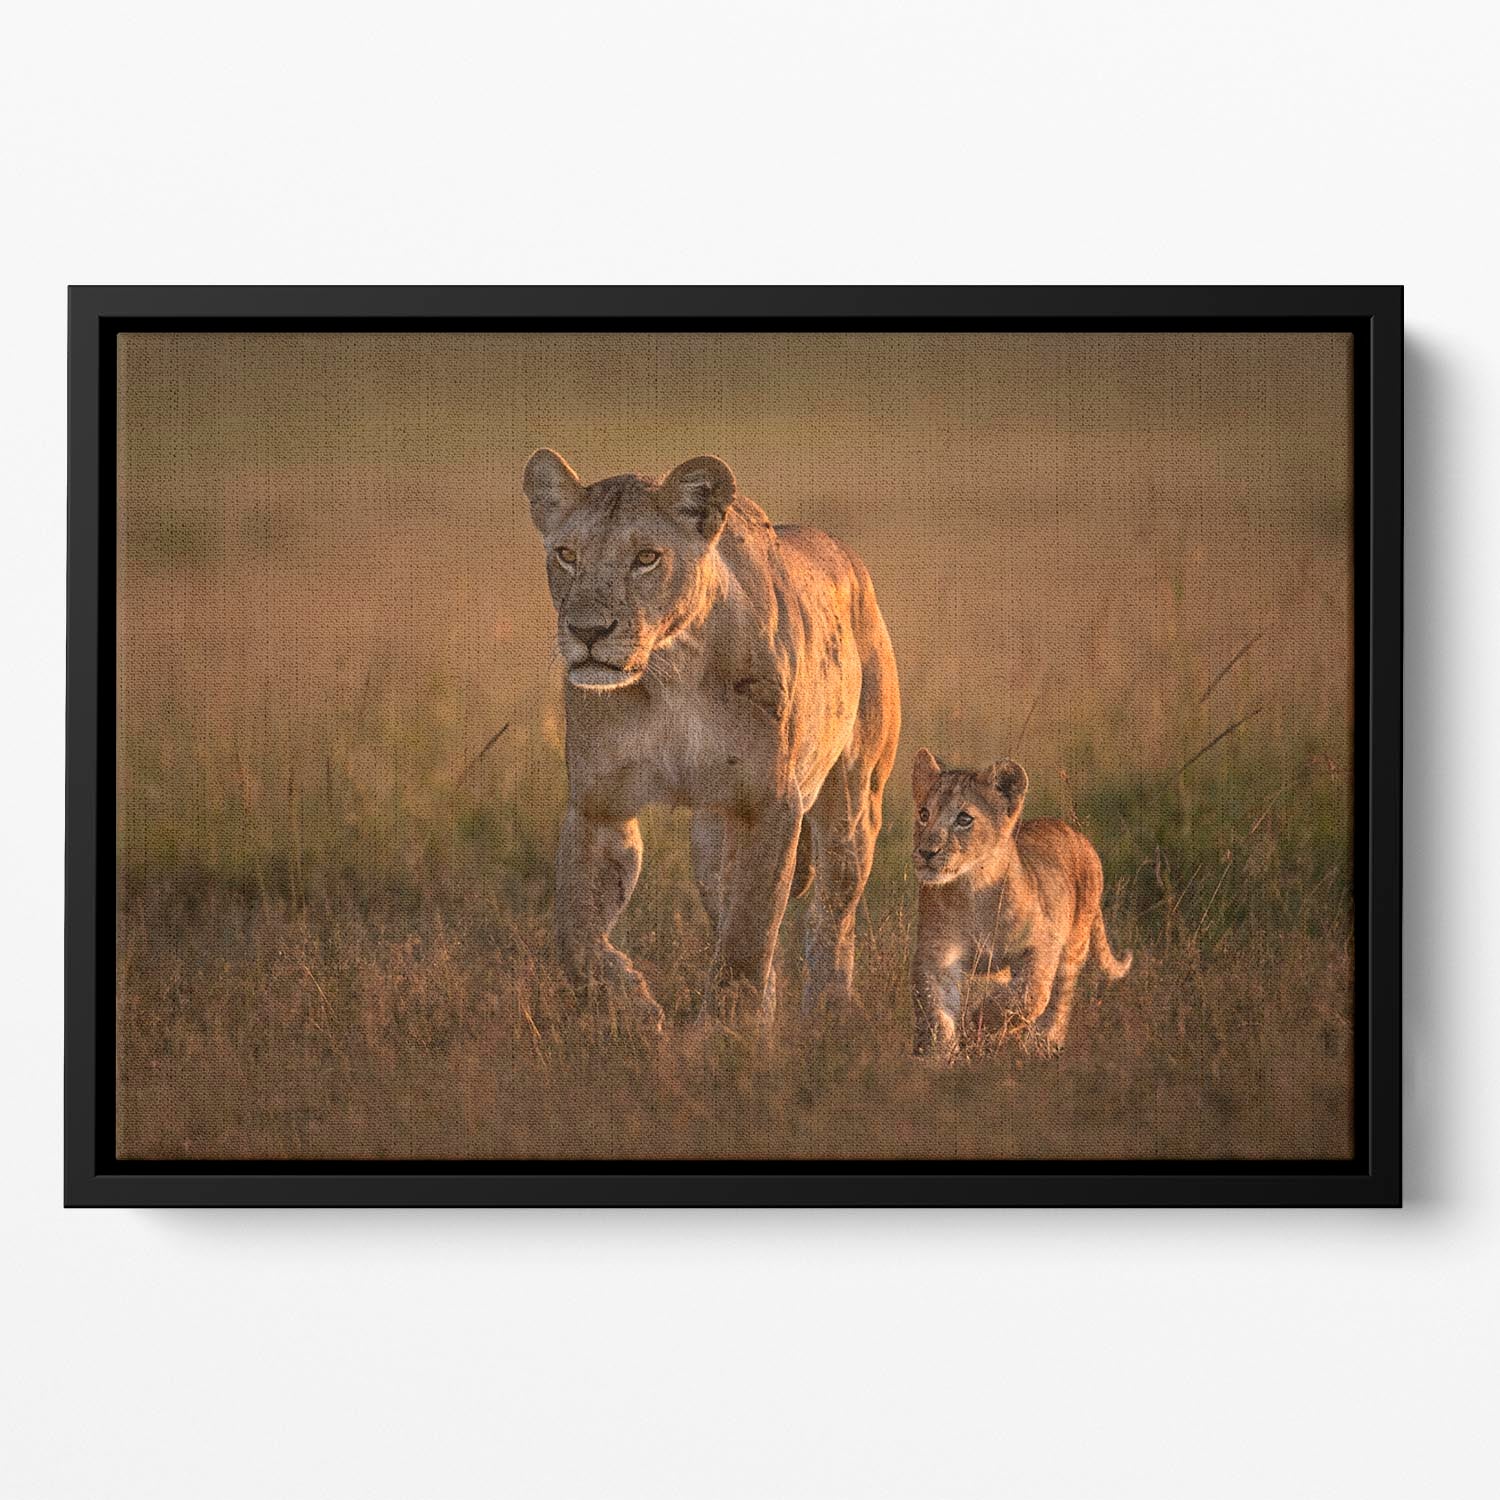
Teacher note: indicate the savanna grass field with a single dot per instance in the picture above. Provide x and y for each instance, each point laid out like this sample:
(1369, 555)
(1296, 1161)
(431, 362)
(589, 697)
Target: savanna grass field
(1124, 559)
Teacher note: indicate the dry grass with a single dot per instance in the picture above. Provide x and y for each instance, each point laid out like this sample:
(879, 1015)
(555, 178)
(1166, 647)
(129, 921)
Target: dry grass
(333, 940)
(441, 1030)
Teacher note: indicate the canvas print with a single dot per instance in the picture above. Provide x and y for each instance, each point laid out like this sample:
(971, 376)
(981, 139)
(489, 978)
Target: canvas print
(739, 746)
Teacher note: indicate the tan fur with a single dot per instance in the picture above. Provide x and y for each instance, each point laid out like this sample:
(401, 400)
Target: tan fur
(1000, 900)
(723, 664)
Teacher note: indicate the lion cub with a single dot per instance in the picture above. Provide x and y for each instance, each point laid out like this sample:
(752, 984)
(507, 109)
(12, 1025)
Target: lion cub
(1012, 902)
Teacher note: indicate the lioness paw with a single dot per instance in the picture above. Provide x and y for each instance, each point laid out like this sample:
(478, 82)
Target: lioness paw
(639, 1005)
(1043, 1043)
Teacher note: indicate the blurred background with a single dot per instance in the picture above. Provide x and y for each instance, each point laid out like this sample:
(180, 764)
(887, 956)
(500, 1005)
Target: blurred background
(329, 578)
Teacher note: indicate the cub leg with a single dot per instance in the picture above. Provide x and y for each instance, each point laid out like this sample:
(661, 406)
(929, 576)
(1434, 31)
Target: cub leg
(937, 998)
(1062, 1004)
(1040, 971)
(757, 881)
(1067, 979)
(938, 974)
(845, 821)
(995, 1004)
(598, 864)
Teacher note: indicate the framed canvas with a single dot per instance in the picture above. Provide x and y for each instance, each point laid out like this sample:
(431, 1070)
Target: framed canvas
(734, 746)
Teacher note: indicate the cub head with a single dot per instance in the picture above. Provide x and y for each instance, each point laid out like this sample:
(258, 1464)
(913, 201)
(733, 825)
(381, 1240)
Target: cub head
(631, 562)
(962, 817)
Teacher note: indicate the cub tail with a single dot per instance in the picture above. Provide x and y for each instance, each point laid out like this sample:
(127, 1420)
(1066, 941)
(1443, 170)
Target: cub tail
(1114, 968)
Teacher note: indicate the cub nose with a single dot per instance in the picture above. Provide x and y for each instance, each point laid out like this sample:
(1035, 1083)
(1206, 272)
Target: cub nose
(588, 634)
(929, 854)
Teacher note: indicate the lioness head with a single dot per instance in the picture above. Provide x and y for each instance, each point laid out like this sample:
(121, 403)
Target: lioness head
(962, 816)
(630, 561)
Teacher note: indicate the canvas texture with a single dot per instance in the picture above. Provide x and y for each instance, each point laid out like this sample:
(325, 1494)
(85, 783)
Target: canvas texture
(1123, 560)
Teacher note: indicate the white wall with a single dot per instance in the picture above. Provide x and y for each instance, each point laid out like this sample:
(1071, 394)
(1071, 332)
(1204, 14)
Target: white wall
(861, 1354)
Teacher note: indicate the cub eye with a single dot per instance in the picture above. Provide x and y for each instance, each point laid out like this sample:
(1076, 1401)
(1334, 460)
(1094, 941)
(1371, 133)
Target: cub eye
(922, 815)
(963, 820)
(647, 557)
(567, 557)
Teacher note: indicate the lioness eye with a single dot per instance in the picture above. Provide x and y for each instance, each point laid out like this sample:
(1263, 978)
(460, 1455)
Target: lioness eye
(647, 557)
(963, 820)
(922, 816)
(567, 556)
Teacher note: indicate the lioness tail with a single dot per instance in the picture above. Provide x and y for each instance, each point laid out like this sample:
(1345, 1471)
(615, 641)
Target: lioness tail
(1114, 968)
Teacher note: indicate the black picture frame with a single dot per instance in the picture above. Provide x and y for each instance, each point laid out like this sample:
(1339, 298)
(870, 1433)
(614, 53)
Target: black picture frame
(92, 1174)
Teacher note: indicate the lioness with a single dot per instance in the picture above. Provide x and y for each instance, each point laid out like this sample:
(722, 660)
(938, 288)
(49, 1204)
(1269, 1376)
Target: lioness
(717, 662)
(1017, 903)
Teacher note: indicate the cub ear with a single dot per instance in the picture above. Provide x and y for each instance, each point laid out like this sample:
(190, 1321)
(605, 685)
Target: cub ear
(925, 770)
(699, 493)
(1008, 777)
(552, 488)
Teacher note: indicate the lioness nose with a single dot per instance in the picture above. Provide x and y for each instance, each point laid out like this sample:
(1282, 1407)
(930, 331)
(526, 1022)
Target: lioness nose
(588, 634)
(929, 853)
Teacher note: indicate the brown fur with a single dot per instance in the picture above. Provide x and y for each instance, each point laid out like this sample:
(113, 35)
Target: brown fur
(723, 664)
(1015, 903)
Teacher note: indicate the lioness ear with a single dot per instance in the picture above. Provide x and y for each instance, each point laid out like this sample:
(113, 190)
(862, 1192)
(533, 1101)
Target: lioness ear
(552, 488)
(699, 492)
(925, 770)
(1008, 777)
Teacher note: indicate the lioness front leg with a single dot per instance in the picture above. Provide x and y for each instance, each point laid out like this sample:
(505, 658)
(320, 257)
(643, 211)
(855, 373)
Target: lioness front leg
(598, 864)
(707, 847)
(845, 821)
(757, 880)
